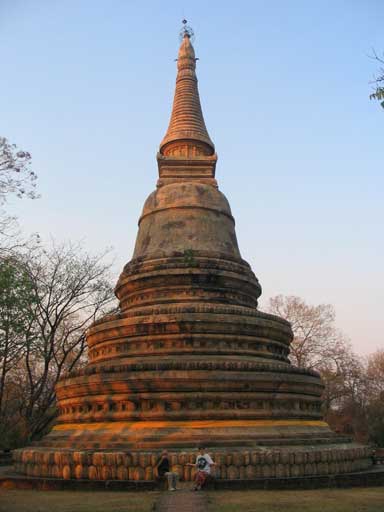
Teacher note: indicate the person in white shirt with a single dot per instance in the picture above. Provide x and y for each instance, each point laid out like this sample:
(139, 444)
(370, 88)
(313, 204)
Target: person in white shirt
(203, 464)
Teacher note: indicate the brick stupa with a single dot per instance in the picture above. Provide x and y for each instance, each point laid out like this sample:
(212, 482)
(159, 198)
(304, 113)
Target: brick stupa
(189, 358)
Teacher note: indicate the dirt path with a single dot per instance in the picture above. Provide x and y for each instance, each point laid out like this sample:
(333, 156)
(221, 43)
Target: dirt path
(182, 500)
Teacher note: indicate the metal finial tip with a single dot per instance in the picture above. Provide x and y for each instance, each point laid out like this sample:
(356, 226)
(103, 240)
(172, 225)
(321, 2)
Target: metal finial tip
(186, 31)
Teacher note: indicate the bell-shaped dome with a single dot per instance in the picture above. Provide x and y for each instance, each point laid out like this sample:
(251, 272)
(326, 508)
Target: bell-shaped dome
(186, 216)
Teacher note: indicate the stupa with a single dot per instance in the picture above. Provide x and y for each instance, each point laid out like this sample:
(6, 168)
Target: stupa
(189, 358)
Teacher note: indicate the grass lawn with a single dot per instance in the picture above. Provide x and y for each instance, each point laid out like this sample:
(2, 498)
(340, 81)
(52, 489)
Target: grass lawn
(325, 500)
(75, 501)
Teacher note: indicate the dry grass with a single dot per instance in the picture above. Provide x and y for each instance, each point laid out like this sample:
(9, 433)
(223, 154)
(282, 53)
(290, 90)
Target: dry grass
(75, 501)
(325, 500)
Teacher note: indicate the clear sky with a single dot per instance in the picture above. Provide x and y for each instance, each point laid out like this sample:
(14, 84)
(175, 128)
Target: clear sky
(87, 86)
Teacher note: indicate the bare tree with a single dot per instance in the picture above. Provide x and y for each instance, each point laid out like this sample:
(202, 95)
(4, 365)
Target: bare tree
(360, 409)
(16, 176)
(316, 338)
(344, 377)
(70, 290)
(375, 373)
(9, 234)
(319, 345)
(375, 397)
(379, 81)
(354, 387)
(13, 242)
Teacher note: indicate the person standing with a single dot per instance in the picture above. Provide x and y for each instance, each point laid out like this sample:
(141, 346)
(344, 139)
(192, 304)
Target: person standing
(203, 465)
(164, 471)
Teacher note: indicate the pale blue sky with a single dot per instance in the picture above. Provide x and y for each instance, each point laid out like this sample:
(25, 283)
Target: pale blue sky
(87, 87)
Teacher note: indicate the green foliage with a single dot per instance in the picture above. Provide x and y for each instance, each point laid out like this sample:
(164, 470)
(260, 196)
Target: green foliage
(375, 420)
(11, 438)
(189, 258)
(17, 297)
(378, 95)
(17, 304)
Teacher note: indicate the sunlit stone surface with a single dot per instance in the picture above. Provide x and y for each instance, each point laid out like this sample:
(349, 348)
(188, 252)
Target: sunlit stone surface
(189, 358)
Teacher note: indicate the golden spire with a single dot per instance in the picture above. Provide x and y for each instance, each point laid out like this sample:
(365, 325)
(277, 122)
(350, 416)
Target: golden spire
(187, 135)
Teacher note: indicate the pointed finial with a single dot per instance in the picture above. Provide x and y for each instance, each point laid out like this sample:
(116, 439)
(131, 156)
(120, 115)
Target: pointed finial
(187, 134)
(186, 31)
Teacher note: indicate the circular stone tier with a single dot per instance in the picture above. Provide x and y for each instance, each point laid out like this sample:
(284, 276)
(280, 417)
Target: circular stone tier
(188, 391)
(190, 331)
(263, 462)
(189, 276)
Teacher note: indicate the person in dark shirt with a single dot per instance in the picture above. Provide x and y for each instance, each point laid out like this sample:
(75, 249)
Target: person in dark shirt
(164, 471)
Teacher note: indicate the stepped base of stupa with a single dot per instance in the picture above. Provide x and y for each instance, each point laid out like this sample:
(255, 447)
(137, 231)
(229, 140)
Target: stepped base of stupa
(270, 457)
(177, 375)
